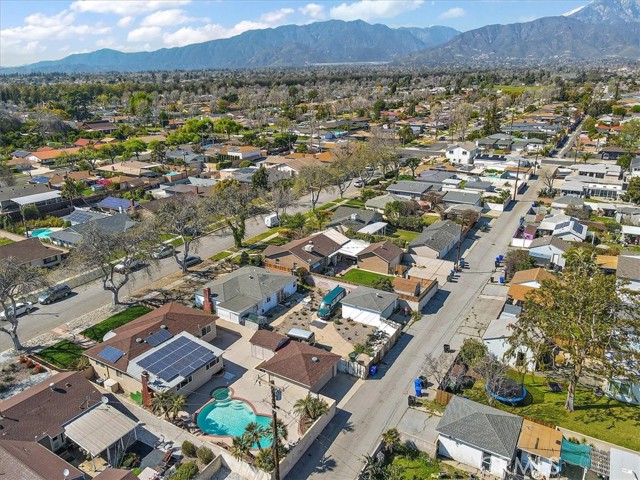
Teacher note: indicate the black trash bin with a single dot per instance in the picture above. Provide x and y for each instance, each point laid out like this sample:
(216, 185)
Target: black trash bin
(447, 348)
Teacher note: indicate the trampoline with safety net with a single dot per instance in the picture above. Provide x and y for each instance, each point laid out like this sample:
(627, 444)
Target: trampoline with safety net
(507, 390)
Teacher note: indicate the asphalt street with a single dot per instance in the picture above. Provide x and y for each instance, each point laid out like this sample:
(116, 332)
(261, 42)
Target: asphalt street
(382, 400)
(91, 296)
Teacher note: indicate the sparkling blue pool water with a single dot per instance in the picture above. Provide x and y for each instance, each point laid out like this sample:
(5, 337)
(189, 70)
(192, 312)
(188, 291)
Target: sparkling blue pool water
(229, 418)
(41, 232)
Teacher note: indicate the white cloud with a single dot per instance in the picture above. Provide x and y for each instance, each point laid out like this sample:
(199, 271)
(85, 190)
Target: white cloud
(313, 10)
(166, 18)
(124, 8)
(125, 22)
(373, 9)
(277, 16)
(144, 34)
(455, 12)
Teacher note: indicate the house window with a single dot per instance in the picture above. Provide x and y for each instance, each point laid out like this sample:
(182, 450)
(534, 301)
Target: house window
(277, 261)
(118, 374)
(205, 330)
(212, 363)
(50, 260)
(100, 364)
(184, 383)
(268, 299)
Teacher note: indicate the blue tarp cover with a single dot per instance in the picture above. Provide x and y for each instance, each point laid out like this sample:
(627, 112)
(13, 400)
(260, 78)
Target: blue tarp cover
(576, 454)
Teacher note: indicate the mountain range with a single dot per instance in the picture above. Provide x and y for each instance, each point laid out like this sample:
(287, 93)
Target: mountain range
(603, 29)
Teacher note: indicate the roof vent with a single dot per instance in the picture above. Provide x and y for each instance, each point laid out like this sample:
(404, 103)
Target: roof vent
(52, 386)
(139, 340)
(355, 216)
(379, 295)
(315, 359)
(251, 277)
(163, 327)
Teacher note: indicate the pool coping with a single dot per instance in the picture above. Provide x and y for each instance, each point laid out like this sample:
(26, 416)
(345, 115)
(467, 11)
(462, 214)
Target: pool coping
(230, 397)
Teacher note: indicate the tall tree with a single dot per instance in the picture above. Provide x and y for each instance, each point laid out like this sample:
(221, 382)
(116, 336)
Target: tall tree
(111, 151)
(234, 203)
(313, 180)
(16, 282)
(134, 146)
(413, 163)
(158, 151)
(227, 126)
(281, 197)
(72, 189)
(260, 180)
(589, 315)
(492, 119)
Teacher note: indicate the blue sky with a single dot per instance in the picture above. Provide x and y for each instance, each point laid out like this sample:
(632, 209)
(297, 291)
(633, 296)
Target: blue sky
(50, 29)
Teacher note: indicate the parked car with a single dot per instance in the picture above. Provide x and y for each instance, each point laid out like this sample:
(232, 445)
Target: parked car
(358, 184)
(190, 260)
(21, 309)
(54, 294)
(128, 266)
(163, 252)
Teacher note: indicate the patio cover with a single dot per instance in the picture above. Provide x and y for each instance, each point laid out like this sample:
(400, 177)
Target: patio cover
(353, 248)
(37, 197)
(576, 454)
(99, 428)
(373, 228)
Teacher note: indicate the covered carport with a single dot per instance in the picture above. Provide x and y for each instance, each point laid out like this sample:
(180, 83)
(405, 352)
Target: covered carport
(102, 429)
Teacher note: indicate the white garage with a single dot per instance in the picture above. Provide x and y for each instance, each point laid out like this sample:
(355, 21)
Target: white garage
(368, 306)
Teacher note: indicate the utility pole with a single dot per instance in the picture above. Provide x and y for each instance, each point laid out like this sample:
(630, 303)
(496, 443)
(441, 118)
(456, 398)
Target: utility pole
(515, 190)
(274, 430)
(459, 247)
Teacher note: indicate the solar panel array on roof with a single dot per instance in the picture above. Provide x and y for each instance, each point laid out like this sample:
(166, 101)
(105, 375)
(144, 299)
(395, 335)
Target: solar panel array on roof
(115, 203)
(39, 179)
(78, 217)
(158, 337)
(180, 357)
(110, 354)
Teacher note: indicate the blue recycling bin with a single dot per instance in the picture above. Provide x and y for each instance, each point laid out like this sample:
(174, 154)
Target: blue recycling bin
(417, 383)
(501, 257)
(373, 369)
(501, 279)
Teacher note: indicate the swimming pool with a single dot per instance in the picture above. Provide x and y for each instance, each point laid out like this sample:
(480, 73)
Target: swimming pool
(41, 232)
(229, 417)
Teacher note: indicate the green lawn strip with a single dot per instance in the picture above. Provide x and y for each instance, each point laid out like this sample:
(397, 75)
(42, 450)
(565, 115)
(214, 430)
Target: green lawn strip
(62, 354)
(430, 219)
(406, 235)
(259, 238)
(176, 242)
(355, 203)
(602, 418)
(98, 331)
(221, 255)
(5, 241)
(327, 206)
(362, 277)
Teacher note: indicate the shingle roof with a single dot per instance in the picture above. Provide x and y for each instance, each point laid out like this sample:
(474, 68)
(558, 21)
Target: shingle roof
(519, 292)
(485, 428)
(269, 340)
(322, 246)
(629, 267)
(39, 410)
(532, 275)
(354, 215)
(409, 186)
(461, 197)
(28, 460)
(28, 250)
(381, 201)
(370, 299)
(437, 235)
(386, 250)
(116, 474)
(176, 317)
(301, 363)
(550, 240)
(7, 193)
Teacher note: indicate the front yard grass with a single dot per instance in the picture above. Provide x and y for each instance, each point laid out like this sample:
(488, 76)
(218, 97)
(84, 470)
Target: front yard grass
(355, 203)
(62, 354)
(5, 241)
(603, 418)
(259, 238)
(362, 277)
(220, 256)
(406, 235)
(98, 331)
(430, 219)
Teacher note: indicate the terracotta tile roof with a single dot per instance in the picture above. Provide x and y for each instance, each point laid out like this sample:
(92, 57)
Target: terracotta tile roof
(28, 460)
(176, 317)
(386, 250)
(518, 292)
(300, 363)
(532, 275)
(609, 262)
(116, 474)
(269, 340)
(52, 153)
(28, 250)
(39, 410)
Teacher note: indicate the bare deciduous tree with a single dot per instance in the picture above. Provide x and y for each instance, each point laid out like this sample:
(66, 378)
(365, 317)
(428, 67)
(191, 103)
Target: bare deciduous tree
(281, 197)
(233, 202)
(313, 180)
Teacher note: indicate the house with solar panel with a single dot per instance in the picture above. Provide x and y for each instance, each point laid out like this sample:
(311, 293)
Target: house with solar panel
(168, 349)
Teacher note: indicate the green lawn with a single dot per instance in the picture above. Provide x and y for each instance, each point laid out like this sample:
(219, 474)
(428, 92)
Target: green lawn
(176, 242)
(430, 219)
(406, 235)
(98, 330)
(62, 354)
(259, 238)
(327, 206)
(221, 255)
(602, 418)
(355, 203)
(414, 465)
(363, 277)
(5, 241)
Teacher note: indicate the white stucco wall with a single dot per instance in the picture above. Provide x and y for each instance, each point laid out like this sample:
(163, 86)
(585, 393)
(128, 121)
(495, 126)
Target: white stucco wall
(499, 347)
(461, 452)
(360, 316)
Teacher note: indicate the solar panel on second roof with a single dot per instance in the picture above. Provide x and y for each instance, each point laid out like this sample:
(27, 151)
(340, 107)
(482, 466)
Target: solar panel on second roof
(115, 203)
(180, 357)
(158, 337)
(110, 354)
(78, 217)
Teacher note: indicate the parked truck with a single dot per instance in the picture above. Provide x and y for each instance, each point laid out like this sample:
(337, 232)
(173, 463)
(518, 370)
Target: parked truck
(272, 220)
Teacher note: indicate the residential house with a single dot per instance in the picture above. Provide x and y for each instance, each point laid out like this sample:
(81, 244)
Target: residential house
(377, 204)
(409, 189)
(630, 234)
(549, 251)
(436, 240)
(560, 204)
(265, 344)
(459, 197)
(349, 218)
(564, 227)
(82, 215)
(496, 338)
(381, 257)
(101, 126)
(628, 215)
(629, 271)
(302, 365)
(369, 306)
(462, 152)
(314, 253)
(242, 153)
(47, 155)
(539, 449)
(248, 290)
(634, 167)
(526, 281)
(15, 197)
(479, 436)
(133, 168)
(70, 237)
(28, 460)
(168, 349)
(33, 252)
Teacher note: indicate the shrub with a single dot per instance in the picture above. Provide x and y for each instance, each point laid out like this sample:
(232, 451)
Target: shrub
(186, 471)
(30, 363)
(188, 449)
(22, 359)
(205, 455)
(38, 369)
(130, 460)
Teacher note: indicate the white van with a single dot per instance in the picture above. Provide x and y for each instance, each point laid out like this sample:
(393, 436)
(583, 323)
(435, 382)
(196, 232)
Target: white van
(272, 220)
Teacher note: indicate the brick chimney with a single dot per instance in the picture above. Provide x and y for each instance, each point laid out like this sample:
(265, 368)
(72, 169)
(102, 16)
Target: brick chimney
(207, 305)
(147, 394)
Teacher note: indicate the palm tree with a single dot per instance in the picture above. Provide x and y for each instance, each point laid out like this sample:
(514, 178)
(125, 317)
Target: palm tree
(373, 469)
(264, 460)
(178, 404)
(241, 447)
(391, 439)
(256, 433)
(310, 409)
(72, 189)
(161, 403)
